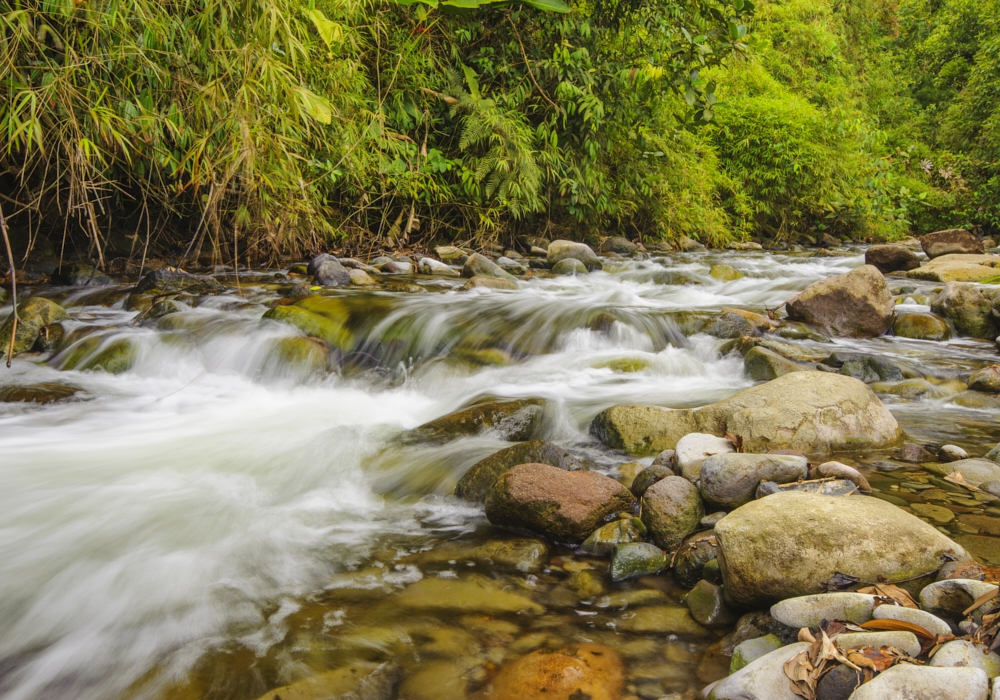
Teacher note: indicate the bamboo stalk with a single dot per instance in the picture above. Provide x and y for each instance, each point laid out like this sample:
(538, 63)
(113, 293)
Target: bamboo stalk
(13, 286)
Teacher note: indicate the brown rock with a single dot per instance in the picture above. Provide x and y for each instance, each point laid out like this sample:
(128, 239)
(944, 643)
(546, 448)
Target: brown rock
(891, 258)
(476, 482)
(953, 240)
(986, 379)
(579, 671)
(914, 454)
(857, 304)
(562, 505)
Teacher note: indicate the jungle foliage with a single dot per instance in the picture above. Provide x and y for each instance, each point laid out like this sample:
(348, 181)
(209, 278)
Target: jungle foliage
(258, 127)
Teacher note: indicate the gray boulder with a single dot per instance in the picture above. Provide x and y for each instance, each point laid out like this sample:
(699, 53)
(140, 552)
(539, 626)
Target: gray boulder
(730, 480)
(908, 682)
(951, 241)
(793, 544)
(330, 273)
(480, 266)
(671, 510)
(562, 250)
(857, 304)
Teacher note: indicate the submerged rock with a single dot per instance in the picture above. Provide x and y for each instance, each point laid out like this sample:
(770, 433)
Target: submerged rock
(331, 330)
(708, 606)
(634, 559)
(510, 420)
(811, 412)
(975, 471)
(569, 266)
(663, 619)
(602, 541)
(857, 304)
(363, 680)
(577, 672)
(950, 241)
(48, 392)
(986, 379)
(476, 482)
(561, 505)
(921, 327)
(475, 594)
(793, 544)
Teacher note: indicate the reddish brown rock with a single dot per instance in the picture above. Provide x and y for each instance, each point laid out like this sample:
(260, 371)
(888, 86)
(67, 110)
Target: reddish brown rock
(578, 671)
(953, 240)
(891, 258)
(562, 505)
(857, 304)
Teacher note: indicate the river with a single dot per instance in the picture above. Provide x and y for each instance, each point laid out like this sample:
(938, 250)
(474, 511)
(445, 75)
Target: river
(213, 523)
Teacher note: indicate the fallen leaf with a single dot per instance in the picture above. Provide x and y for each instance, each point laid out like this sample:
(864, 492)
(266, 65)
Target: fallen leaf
(959, 480)
(898, 626)
(893, 593)
(878, 659)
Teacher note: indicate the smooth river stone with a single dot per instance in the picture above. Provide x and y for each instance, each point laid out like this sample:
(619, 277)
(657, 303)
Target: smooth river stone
(953, 595)
(907, 641)
(931, 623)
(963, 653)
(907, 682)
(762, 679)
(811, 610)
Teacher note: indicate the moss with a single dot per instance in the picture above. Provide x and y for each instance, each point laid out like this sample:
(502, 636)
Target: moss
(323, 326)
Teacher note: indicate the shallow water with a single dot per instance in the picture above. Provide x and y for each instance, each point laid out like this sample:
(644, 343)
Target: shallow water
(215, 523)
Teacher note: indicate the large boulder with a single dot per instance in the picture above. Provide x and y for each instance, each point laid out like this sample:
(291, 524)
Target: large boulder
(968, 309)
(950, 242)
(958, 268)
(730, 480)
(475, 484)
(562, 505)
(562, 250)
(671, 510)
(764, 365)
(812, 412)
(327, 271)
(891, 258)
(857, 304)
(793, 544)
(33, 314)
(510, 420)
(480, 266)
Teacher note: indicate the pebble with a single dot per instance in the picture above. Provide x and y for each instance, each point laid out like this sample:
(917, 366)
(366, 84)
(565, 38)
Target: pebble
(811, 610)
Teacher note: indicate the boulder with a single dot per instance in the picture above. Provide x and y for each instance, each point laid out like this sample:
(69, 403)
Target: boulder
(764, 365)
(953, 596)
(986, 379)
(813, 412)
(430, 266)
(620, 245)
(330, 273)
(949, 242)
(475, 484)
(562, 250)
(958, 268)
(908, 682)
(724, 273)
(569, 266)
(857, 304)
(870, 369)
(963, 653)
(634, 559)
(968, 309)
(693, 449)
(975, 471)
(173, 281)
(730, 480)
(891, 258)
(793, 544)
(649, 476)
(562, 505)
(671, 510)
(45, 393)
(810, 610)
(571, 673)
(33, 314)
(480, 266)
(510, 420)
(762, 679)
(919, 326)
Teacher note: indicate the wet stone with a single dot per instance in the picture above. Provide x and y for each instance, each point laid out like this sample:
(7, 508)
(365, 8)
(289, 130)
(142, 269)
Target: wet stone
(662, 619)
(635, 559)
(475, 594)
(511, 420)
(929, 622)
(649, 476)
(810, 610)
(908, 682)
(692, 556)
(476, 482)
(752, 649)
(708, 606)
(602, 541)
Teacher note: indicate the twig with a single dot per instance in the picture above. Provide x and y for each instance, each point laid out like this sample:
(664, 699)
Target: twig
(527, 65)
(13, 286)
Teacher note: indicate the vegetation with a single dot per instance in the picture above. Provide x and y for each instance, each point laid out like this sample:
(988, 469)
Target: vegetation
(258, 127)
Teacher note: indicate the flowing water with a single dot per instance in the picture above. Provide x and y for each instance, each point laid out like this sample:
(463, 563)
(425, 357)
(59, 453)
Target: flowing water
(215, 521)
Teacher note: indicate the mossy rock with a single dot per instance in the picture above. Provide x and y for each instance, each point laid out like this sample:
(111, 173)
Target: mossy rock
(725, 273)
(475, 484)
(510, 420)
(33, 314)
(310, 355)
(323, 326)
(484, 356)
(116, 357)
(921, 327)
(48, 392)
(625, 365)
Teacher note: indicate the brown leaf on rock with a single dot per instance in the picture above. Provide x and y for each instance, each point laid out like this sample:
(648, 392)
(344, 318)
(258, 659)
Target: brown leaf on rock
(898, 626)
(959, 480)
(737, 441)
(893, 595)
(879, 659)
(806, 668)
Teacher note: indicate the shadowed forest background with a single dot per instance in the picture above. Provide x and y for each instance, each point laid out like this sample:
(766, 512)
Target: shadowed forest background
(255, 128)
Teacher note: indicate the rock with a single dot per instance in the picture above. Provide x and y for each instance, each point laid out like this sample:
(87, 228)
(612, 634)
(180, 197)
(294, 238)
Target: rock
(475, 484)
(668, 458)
(663, 619)
(983, 547)
(603, 540)
(360, 278)
(430, 266)
(708, 606)
(634, 559)
(968, 309)
(838, 683)
(729, 480)
(33, 314)
(792, 544)
(931, 623)
(512, 266)
(564, 250)
(950, 241)
(953, 596)
(480, 266)
(908, 682)
(986, 379)
(871, 369)
(914, 454)
(811, 610)
(692, 557)
(921, 327)
(758, 321)
(81, 275)
(577, 672)
(449, 252)
(812, 412)
(907, 641)
(172, 281)
(330, 273)
(562, 505)
(688, 244)
(671, 510)
(841, 471)
(751, 650)
(952, 453)
(857, 304)
(475, 594)
(958, 268)
(509, 420)
(620, 245)
(732, 325)
(490, 283)
(963, 653)
(314, 325)
(827, 487)
(649, 476)
(975, 471)
(891, 258)
(363, 680)
(762, 679)
(113, 357)
(45, 393)
(693, 449)
(764, 365)
(569, 266)
(994, 454)
(725, 273)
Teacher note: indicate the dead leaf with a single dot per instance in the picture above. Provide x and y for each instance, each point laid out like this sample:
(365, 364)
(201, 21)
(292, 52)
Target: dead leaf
(893, 593)
(805, 635)
(841, 581)
(898, 626)
(959, 480)
(737, 441)
(806, 668)
(879, 659)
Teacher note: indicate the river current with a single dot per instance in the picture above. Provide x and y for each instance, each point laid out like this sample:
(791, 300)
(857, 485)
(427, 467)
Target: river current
(212, 523)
